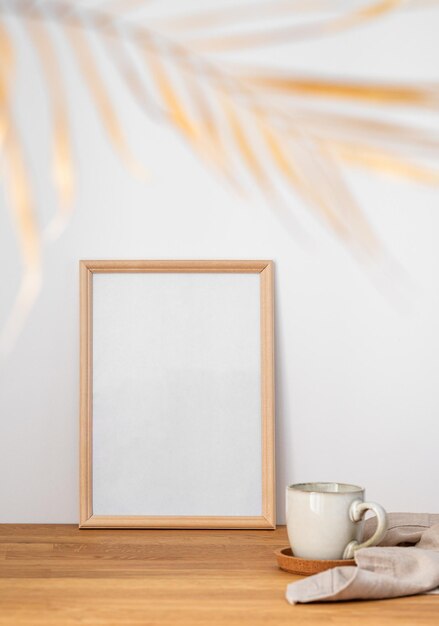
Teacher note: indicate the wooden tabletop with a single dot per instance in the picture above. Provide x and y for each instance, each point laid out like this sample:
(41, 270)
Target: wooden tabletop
(59, 575)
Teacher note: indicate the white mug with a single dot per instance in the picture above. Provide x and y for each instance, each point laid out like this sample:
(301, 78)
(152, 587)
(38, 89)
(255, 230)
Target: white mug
(324, 520)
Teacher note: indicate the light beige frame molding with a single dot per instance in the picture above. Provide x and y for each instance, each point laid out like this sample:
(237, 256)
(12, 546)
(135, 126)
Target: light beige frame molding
(267, 519)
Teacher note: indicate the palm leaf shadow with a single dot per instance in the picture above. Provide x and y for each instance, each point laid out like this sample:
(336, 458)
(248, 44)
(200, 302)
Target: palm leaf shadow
(228, 115)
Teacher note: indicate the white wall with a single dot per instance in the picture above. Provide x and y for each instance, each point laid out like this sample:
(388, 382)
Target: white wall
(357, 362)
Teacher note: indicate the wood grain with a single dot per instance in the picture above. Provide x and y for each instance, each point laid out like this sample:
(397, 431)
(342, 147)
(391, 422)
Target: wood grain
(167, 265)
(267, 394)
(178, 521)
(265, 270)
(57, 575)
(86, 392)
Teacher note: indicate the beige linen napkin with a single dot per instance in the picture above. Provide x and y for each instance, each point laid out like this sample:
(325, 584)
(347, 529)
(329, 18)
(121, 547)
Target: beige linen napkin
(405, 563)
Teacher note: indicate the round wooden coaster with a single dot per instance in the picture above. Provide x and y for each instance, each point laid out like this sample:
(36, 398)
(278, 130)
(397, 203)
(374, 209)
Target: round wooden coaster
(305, 567)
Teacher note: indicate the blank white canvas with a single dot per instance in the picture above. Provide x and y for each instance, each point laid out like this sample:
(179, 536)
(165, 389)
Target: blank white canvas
(177, 394)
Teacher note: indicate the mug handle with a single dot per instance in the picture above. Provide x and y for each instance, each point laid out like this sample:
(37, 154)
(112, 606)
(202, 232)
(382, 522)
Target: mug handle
(356, 512)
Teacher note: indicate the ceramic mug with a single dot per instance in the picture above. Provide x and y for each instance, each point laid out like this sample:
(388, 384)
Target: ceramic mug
(325, 520)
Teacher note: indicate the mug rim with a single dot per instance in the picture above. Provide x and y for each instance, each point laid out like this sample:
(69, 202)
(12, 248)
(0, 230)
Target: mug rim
(301, 487)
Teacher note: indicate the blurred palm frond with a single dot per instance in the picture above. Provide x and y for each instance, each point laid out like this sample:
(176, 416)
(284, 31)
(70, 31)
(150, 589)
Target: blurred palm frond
(261, 37)
(255, 127)
(20, 202)
(62, 157)
(105, 109)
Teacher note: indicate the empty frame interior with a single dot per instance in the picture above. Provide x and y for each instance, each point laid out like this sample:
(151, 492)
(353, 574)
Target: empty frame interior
(177, 394)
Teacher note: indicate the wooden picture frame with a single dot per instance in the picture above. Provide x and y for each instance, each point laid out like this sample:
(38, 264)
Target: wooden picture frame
(91, 271)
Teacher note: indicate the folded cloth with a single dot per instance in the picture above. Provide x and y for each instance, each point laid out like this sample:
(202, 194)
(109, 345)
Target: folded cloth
(406, 562)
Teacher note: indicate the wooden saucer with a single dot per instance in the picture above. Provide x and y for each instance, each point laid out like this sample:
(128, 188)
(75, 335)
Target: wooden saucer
(305, 567)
